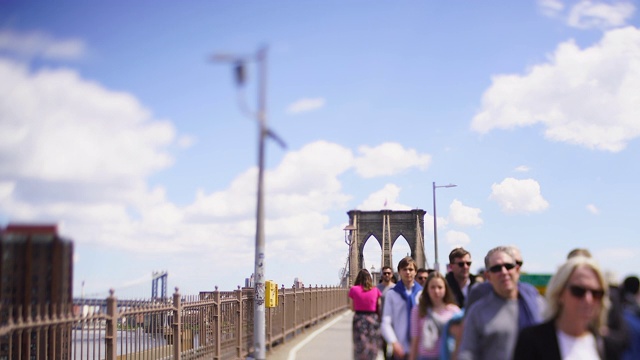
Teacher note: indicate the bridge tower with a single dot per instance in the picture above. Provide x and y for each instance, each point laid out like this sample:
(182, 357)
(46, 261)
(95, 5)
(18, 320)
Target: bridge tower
(386, 226)
(159, 277)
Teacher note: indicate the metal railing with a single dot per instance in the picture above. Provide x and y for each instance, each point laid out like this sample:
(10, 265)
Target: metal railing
(211, 325)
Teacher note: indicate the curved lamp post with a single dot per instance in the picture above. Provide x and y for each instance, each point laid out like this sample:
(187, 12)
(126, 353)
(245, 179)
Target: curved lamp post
(239, 62)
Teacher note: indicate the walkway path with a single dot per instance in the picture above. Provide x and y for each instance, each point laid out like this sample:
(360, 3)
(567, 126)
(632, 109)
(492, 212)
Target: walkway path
(331, 340)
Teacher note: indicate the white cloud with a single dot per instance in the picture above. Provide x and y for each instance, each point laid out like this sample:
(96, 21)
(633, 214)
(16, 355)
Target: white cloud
(523, 168)
(601, 15)
(389, 194)
(186, 141)
(551, 8)
(462, 215)
(389, 159)
(40, 44)
(306, 105)
(518, 196)
(586, 14)
(56, 126)
(456, 238)
(586, 97)
(593, 209)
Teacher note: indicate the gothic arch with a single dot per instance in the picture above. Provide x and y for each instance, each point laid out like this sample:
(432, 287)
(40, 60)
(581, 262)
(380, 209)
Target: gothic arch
(386, 226)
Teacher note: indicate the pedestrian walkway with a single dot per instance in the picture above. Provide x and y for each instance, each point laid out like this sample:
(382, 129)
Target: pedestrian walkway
(331, 340)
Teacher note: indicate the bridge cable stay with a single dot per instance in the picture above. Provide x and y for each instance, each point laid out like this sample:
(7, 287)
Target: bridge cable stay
(420, 241)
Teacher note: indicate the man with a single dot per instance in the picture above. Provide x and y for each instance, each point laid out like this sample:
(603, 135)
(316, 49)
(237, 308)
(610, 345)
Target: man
(397, 308)
(492, 323)
(421, 276)
(483, 289)
(386, 280)
(459, 277)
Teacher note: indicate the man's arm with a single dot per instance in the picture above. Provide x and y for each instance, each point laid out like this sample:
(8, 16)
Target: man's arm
(386, 326)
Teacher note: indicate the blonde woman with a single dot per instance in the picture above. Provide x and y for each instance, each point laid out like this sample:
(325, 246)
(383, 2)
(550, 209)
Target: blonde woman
(577, 303)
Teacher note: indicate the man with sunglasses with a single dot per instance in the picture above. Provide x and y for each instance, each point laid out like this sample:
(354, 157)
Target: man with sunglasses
(421, 276)
(492, 323)
(485, 288)
(459, 277)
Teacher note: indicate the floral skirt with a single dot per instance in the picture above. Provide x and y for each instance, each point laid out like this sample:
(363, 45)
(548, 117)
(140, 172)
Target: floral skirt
(367, 340)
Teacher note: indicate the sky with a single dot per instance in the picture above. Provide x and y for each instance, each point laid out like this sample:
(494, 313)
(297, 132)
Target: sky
(117, 125)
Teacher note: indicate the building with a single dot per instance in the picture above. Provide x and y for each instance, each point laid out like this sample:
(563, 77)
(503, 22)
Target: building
(36, 279)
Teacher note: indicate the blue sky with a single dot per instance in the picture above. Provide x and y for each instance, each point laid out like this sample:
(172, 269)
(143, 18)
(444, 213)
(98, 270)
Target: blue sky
(116, 125)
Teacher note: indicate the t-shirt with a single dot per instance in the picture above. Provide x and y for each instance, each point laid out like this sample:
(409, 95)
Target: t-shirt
(577, 348)
(429, 328)
(364, 300)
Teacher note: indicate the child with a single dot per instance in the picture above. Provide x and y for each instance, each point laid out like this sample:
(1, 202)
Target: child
(437, 305)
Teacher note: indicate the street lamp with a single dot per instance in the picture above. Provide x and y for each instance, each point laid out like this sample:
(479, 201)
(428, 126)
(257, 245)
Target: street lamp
(435, 224)
(239, 62)
(348, 239)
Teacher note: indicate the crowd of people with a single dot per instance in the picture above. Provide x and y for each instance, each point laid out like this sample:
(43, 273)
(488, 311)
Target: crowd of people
(427, 315)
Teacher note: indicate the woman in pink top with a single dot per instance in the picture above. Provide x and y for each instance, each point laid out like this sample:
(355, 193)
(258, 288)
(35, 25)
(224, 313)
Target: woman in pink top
(365, 301)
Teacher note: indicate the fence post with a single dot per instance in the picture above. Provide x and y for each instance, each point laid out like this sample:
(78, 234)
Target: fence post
(284, 314)
(112, 327)
(216, 324)
(177, 321)
(239, 324)
(296, 306)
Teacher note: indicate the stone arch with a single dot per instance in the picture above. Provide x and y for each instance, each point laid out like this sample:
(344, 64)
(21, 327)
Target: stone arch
(386, 226)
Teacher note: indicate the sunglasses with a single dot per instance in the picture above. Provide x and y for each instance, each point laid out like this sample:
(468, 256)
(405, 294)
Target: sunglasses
(498, 268)
(422, 278)
(463, 263)
(386, 273)
(519, 262)
(580, 292)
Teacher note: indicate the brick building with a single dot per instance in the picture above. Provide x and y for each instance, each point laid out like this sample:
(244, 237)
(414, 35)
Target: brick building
(36, 279)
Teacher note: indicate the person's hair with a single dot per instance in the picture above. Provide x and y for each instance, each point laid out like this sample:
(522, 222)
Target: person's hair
(504, 249)
(559, 281)
(422, 270)
(579, 252)
(385, 268)
(406, 261)
(425, 300)
(631, 285)
(457, 253)
(364, 279)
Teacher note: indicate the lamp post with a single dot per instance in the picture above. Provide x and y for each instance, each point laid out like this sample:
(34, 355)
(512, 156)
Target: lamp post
(239, 62)
(348, 239)
(435, 224)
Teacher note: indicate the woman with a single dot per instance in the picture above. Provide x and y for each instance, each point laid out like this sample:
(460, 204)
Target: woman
(577, 297)
(365, 301)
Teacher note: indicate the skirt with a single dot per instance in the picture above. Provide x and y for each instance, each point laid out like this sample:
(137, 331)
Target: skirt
(367, 340)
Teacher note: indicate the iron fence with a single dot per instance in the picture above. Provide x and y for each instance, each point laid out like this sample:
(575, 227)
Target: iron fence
(211, 325)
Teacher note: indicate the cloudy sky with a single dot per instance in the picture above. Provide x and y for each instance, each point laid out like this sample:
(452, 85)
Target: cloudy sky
(116, 125)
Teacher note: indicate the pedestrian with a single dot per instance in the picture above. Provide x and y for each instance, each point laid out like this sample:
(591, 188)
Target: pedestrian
(397, 309)
(577, 303)
(459, 277)
(482, 289)
(630, 300)
(429, 317)
(615, 333)
(421, 276)
(492, 323)
(365, 300)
